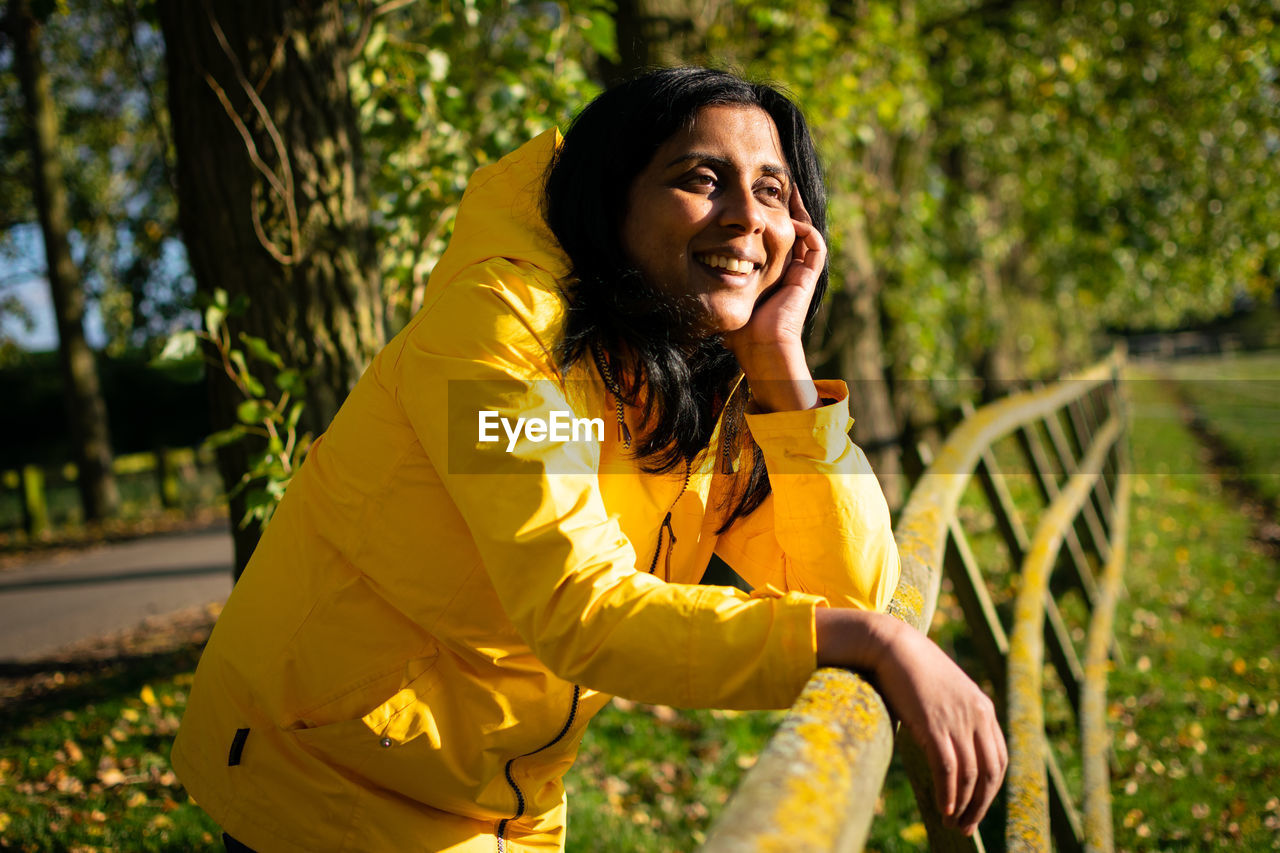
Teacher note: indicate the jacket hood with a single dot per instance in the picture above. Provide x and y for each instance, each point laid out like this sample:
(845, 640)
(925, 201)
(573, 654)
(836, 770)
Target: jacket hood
(500, 215)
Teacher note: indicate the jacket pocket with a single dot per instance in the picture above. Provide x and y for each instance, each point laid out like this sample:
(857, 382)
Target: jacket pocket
(396, 716)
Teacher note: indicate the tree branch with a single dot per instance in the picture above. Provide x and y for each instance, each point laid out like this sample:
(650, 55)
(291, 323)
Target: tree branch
(269, 126)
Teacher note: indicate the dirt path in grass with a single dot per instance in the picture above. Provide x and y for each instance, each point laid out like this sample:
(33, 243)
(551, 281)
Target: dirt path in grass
(1227, 464)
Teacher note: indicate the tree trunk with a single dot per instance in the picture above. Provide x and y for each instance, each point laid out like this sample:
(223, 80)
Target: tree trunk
(86, 409)
(273, 193)
(860, 362)
(858, 359)
(658, 33)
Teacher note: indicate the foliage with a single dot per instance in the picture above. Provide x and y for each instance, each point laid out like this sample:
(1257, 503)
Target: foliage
(1019, 172)
(443, 88)
(106, 65)
(268, 420)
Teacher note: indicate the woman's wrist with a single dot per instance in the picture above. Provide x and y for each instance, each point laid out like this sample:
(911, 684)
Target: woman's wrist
(854, 639)
(779, 378)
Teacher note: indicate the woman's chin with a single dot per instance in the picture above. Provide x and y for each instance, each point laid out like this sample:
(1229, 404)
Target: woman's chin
(726, 319)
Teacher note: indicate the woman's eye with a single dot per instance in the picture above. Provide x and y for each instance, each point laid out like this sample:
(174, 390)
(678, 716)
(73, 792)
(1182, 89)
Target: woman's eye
(773, 191)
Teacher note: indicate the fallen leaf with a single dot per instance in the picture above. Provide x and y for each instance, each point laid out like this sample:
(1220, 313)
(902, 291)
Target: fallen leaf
(914, 833)
(111, 777)
(70, 785)
(73, 751)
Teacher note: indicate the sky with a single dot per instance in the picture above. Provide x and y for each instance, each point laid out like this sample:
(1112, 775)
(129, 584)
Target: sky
(22, 276)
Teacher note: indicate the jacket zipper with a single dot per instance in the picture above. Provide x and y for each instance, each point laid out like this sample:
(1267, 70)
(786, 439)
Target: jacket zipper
(624, 436)
(520, 801)
(670, 530)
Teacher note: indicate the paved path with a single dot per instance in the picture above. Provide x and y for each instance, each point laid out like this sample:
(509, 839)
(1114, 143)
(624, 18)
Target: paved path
(54, 601)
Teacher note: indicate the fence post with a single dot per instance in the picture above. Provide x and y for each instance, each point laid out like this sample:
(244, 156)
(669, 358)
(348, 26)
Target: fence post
(166, 479)
(35, 505)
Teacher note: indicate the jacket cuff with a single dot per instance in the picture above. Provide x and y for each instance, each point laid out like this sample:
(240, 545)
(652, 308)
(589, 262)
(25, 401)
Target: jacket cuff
(797, 439)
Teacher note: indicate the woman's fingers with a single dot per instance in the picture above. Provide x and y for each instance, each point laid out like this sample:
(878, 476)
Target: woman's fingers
(993, 759)
(942, 761)
(966, 778)
(809, 253)
(796, 205)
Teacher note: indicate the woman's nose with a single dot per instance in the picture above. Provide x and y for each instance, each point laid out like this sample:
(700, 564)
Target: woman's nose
(740, 209)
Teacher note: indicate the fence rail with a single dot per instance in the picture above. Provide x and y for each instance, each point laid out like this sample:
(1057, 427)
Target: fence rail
(816, 784)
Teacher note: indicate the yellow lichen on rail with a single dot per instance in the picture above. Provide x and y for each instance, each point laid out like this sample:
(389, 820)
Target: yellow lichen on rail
(1027, 784)
(833, 748)
(907, 604)
(1093, 715)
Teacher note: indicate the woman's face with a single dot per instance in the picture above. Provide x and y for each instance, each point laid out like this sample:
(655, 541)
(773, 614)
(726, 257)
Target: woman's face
(709, 216)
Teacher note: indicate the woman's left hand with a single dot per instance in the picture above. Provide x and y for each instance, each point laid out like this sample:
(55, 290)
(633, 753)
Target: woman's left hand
(769, 348)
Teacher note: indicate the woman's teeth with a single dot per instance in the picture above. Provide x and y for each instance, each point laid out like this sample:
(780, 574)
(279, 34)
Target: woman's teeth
(729, 264)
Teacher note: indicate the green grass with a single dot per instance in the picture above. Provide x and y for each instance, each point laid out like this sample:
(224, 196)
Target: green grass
(1194, 709)
(1239, 399)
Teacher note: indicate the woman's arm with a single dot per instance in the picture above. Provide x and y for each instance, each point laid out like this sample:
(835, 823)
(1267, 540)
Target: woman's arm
(953, 721)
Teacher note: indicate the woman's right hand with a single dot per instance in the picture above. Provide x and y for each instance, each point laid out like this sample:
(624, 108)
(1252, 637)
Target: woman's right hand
(948, 715)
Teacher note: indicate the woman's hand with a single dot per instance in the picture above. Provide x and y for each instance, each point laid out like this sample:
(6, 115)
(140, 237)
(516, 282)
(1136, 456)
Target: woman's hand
(953, 721)
(769, 348)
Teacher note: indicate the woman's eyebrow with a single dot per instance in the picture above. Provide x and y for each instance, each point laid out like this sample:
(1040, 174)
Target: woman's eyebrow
(723, 163)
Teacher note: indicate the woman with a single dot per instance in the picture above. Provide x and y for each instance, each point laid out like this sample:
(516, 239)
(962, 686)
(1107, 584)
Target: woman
(454, 584)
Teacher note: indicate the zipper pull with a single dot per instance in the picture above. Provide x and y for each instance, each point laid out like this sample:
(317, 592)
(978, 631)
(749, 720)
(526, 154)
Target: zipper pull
(671, 547)
(657, 551)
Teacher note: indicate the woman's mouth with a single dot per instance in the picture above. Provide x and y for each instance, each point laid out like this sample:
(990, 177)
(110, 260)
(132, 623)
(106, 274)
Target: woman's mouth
(736, 266)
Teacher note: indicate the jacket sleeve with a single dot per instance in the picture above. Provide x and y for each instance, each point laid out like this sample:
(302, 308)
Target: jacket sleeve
(825, 528)
(561, 567)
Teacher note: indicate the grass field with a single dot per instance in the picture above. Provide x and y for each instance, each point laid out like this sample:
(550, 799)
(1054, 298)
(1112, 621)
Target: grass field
(1194, 710)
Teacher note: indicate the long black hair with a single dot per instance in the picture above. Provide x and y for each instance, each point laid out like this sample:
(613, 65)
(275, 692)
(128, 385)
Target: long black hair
(679, 377)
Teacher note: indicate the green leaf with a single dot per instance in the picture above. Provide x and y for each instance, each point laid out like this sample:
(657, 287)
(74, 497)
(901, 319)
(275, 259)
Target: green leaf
(214, 316)
(224, 437)
(236, 357)
(254, 412)
(599, 32)
(180, 347)
(290, 379)
(258, 506)
(295, 414)
(259, 349)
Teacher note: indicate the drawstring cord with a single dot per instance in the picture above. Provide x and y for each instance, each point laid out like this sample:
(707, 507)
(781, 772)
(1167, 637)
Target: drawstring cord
(606, 373)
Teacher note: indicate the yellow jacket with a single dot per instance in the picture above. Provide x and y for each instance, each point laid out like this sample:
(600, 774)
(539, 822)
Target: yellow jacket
(429, 622)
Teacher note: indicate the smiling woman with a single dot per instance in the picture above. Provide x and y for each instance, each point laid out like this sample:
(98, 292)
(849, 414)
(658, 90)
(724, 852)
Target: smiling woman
(412, 653)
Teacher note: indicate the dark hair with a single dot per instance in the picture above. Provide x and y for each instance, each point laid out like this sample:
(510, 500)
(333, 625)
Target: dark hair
(679, 377)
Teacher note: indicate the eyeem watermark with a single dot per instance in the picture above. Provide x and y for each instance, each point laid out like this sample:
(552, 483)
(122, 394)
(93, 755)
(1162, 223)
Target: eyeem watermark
(560, 426)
